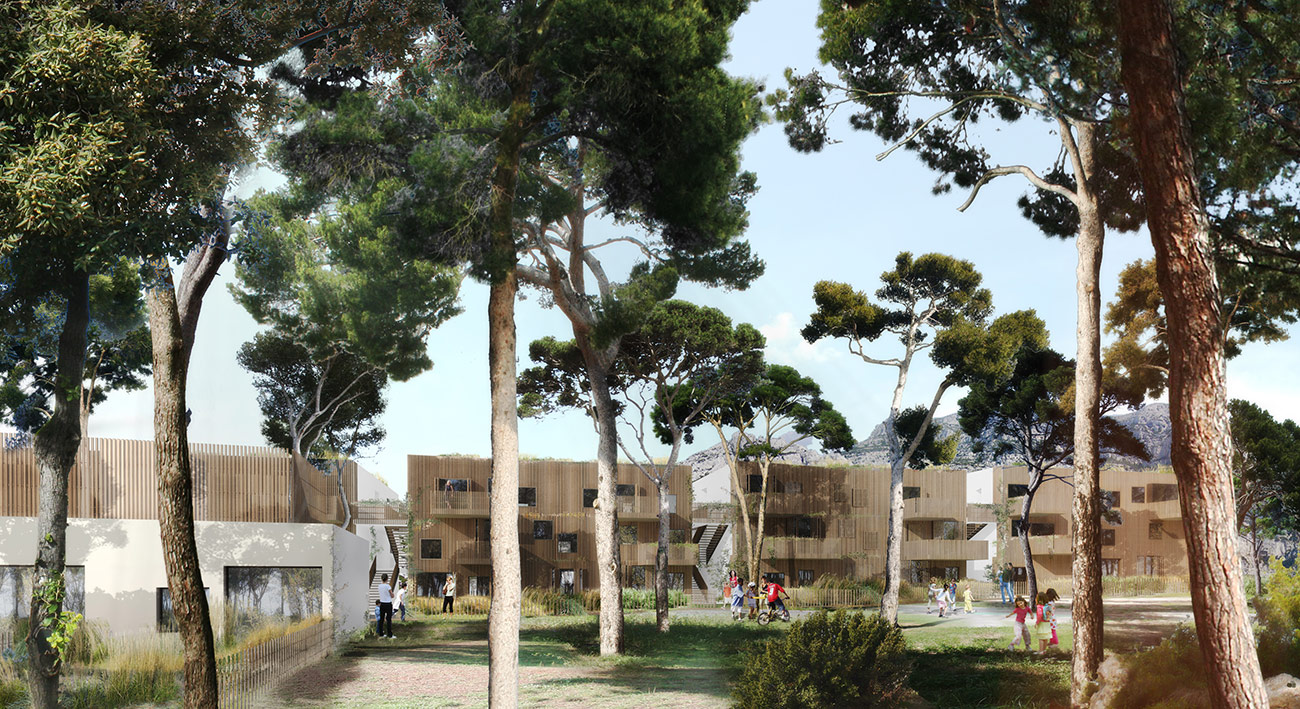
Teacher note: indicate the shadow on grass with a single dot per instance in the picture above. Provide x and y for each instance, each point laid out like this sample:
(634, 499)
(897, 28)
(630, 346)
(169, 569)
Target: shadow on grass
(647, 681)
(980, 677)
(688, 643)
(319, 682)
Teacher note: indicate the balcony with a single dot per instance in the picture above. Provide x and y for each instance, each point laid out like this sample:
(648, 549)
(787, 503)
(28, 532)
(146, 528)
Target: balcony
(639, 508)
(458, 504)
(471, 553)
(794, 503)
(809, 547)
(933, 508)
(643, 554)
(1042, 547)
(944, 549)
(977, 514)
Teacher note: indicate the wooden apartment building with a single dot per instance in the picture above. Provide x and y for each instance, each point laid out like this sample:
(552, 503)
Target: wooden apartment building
(450, 525)
(1146, 537)
(832, 520)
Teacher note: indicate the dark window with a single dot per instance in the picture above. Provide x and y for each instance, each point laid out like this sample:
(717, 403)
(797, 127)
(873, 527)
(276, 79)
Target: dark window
(430, 584)
(626, 490)
(567, 543)
(949, 529)
(1139, 493)
(166, 617)
(805, 577)
(755, 483)
(637, 576)
(588, 497)
(527, 497)
(543, 529)
(775, 576)
(627, 534)
(1108, 537)
(1110, 567)
(1163, 492)
(430, 548)
(479, 586)
(1018, 574)
(911, 493)
(257, 593)
(676, 580)
(1017, 490)
(805, 527)
(1042, 529)
(1109, 499)
(1148, 565)
(457, 485)
(677, 536)
(1155, 531)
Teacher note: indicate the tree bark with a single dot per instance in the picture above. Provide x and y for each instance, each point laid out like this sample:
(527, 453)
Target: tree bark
(1086, 613)
(606, 532)
(507, 591)
(1202, 453)
(1031, 576)
(894, 539)
(661, 556)
(1256, 550)
(175, 497)
(56, 445)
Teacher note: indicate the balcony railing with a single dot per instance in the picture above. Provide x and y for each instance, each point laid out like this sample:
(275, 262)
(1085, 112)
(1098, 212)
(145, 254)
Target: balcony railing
(457, 504)
(810, 547)
(1166, 509)
(643, 554)
(944, 549)
(473, 553)
(923, 508)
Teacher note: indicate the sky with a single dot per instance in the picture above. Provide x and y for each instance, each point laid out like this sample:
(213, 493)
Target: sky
(835, 215)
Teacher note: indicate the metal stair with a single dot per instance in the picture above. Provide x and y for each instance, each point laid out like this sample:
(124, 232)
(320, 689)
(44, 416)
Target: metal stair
(708, 537)
(390, 563)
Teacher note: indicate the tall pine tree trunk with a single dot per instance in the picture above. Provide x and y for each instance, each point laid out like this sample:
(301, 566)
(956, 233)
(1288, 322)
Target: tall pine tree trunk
(897, 461)
(1202, 451)
(608, 563)
(1031, 575)
(176, 499)
(1085, 610)
(507, 591)
(56, 445)
(661, 554)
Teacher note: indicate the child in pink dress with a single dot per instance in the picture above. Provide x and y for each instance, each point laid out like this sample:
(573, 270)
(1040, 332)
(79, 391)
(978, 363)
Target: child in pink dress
(1052, 598)
(1019, 631)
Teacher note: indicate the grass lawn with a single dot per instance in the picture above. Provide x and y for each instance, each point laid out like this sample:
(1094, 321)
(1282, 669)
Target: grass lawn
(971, 667)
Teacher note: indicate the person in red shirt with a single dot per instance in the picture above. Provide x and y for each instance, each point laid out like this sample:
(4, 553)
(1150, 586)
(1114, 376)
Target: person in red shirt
(773, 589)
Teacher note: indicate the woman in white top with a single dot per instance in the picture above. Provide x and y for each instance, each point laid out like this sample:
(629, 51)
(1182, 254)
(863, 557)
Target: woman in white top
(399, 600)
(449, 594)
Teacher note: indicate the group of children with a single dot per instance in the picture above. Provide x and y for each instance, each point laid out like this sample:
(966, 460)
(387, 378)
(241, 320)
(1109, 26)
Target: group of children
(945, 596)
(744, 596)
(1044, 619)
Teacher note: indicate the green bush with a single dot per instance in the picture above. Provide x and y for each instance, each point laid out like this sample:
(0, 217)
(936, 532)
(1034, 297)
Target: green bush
(1170, 675)
(1279, 622)
(838, 659)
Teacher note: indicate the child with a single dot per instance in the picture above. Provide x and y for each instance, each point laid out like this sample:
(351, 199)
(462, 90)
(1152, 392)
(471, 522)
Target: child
(1052, 598)
(952, 597)
(932, 594)
(751, 599)
(967, 597)
(942, 598)
(1040, 622)
(1019, 631)
(737, 599)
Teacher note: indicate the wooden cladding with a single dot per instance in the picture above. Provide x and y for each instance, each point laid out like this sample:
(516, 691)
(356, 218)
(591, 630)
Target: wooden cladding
(117, 479)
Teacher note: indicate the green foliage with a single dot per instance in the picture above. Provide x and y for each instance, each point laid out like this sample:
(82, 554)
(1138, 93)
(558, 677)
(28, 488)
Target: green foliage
(1170, 675)
(932, 449)
(1279, 621)
(59, 626)
(837, 659)
(1266, 468)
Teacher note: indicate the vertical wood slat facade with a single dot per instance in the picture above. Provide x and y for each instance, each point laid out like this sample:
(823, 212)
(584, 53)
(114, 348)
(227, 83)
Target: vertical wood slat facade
(117, 479)
(457, 520)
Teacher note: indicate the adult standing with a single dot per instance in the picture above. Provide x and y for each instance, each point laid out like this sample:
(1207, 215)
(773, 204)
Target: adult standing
(1005, 578)
(449, 594)
(385, 608)
(401, 600)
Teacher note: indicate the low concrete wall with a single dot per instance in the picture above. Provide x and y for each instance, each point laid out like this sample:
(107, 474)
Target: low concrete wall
(124, 563)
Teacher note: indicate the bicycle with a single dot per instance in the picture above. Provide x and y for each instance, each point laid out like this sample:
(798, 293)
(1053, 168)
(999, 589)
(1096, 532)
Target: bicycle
(768, 614)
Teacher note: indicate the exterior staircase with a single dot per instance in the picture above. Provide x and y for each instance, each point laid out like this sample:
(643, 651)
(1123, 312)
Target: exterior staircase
(392, 563)
(708, 536)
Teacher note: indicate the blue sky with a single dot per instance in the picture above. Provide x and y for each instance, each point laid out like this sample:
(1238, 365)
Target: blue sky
(838, 215)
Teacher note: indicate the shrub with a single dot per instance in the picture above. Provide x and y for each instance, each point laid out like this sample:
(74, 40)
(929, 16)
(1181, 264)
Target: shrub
(12, 688)
(837, 659)
(1170, 675)
(1279, 622)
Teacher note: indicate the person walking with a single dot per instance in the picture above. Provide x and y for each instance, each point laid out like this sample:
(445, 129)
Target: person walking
(400, 600)
(449, 594)
(932, 594)
(385, 609)
(1020, 631)
(1004, 582)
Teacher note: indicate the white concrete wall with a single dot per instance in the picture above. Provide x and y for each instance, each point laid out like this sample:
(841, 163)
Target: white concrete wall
(979, 491)
(979, 487)
(124, 563)
(370, 487)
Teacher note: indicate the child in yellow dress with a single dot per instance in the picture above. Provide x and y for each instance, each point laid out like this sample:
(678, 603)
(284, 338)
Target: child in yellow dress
(966, 596)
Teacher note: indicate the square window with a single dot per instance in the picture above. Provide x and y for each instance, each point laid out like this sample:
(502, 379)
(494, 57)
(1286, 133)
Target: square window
(543, 529)
(676, 581)
(1015, 490)
(805, 577)
(1108, 537)
(430, 548)
(627, 534)
(1164, 492)
(1155, 531)
(1110, 567)
(1148, 565)
(1139, 493)
(950, 529)
(804, 527)
(637, 576)
(911, 492)
(1109, 499)
(588, 497)
(755, 483)
(1042, 529)
(567, 543)
(775, 576)
(625, 490)
(527, 497)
